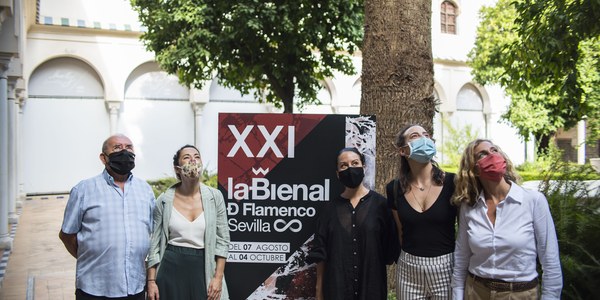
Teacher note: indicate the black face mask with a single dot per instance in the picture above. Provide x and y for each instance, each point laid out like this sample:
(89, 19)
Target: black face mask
(121, 162)
(352, 177)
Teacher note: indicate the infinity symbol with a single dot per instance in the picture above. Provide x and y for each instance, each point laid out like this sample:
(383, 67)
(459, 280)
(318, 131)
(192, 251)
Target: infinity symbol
(287, 225)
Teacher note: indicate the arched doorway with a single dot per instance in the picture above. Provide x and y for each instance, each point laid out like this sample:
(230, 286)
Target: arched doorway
(64, 124)
(158, 117)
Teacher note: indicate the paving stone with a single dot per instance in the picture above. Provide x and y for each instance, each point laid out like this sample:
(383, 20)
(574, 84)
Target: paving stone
(39, 263)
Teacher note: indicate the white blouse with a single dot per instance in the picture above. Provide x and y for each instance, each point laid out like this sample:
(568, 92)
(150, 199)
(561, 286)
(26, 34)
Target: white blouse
(184, 233)
(523, 232)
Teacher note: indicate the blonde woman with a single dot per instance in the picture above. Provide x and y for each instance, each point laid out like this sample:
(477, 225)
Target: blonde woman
(503, 230)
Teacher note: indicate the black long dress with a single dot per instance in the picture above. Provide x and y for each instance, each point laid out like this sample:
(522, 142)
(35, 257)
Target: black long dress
(355, 244)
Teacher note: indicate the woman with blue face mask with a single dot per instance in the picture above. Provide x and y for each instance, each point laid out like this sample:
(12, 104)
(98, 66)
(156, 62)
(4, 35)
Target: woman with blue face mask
(420, 199)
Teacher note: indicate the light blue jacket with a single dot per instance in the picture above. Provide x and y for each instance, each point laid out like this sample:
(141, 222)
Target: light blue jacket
(216, 236)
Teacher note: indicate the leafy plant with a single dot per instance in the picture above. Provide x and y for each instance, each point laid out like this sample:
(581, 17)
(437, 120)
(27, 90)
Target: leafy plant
(546, 56)
(391, 295)
(544, 167)
(210, 180)
(543, 161)
(274, 50)
(162, 184)
(455, 141)
(576, 213)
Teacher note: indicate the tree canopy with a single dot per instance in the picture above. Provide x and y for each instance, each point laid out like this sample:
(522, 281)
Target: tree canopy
(274, 49)
(546, 55)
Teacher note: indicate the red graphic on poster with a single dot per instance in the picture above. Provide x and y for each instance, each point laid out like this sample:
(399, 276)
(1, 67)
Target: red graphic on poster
(254, 143)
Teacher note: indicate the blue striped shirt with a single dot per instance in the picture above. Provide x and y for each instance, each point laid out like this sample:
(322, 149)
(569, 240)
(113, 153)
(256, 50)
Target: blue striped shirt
(113, 234)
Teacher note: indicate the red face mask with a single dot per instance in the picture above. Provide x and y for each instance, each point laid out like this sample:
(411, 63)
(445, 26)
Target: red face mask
(492, 167)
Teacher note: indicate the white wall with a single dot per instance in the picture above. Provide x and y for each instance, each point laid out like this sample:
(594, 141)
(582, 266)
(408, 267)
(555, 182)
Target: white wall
(452, 73)
(106, 12)
(112, 58)
(62, 141)
(157, 128)
(156, 112)
(64, 123)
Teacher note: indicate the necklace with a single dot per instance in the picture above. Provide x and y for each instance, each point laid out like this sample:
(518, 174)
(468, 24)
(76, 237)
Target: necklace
(421, 188)
(422, 205)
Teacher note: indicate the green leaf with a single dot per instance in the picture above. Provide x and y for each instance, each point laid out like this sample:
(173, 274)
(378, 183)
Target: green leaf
(546, 56)
(261, 47)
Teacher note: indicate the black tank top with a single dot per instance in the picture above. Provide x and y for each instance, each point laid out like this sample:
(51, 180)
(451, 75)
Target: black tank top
(432, 232)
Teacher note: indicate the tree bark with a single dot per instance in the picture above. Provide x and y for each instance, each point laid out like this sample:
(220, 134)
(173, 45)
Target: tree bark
(397, 77)
(543, 143)
(285, 92)
(397, 73)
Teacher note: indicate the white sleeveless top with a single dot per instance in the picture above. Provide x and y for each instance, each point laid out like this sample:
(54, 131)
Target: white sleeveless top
(184, 233)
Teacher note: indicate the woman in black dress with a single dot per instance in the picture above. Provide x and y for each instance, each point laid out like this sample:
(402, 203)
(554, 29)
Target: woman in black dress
(420, 199)
(355, 238)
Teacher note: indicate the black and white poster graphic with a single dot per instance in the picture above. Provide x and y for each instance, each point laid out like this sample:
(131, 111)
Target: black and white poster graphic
(276, 171)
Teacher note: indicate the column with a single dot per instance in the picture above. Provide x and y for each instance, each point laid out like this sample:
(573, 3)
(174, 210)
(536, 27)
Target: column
(113, 115)
(441, 136)
(530, 150)
(487, 117)
(21, 182)
(272, 109)
(5, 239)
(13, 218)
(335, 109)
(581, 142)
(198, 108)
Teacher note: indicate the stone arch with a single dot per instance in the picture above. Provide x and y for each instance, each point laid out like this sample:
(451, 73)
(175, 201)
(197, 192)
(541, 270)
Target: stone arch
(329, 86)
(65, 76)
(469, 98)
(64, 117)
(220, 93)
(439, 90)
(438, 119)
(149, 82)
(156, 112)
(470, 109)
(356, 90)
(325, 96)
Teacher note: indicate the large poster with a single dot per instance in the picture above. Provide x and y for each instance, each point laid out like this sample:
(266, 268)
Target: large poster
(276, 171)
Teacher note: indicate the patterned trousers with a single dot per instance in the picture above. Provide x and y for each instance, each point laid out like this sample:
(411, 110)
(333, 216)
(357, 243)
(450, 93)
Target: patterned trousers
(424, 277)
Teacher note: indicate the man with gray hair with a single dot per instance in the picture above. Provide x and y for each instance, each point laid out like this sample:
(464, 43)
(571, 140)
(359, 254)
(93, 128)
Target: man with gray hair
(107, 226)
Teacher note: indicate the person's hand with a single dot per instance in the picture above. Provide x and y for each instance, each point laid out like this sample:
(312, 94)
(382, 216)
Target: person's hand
(214, 288)
(319, 292)
(152, 291)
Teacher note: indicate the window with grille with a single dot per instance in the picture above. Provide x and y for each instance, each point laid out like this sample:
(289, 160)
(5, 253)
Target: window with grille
(448, 17)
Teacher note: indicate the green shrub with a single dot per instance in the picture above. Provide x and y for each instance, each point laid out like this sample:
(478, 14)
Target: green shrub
(549, 166)
(162, 184)
(576, 214)
(455, 142)
(210, 180)
(449, 168)
(540, 169)
(391, 295)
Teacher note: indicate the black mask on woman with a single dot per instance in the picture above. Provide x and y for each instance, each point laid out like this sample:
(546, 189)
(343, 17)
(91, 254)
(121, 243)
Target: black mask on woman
(121, 162)
(352, 177)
